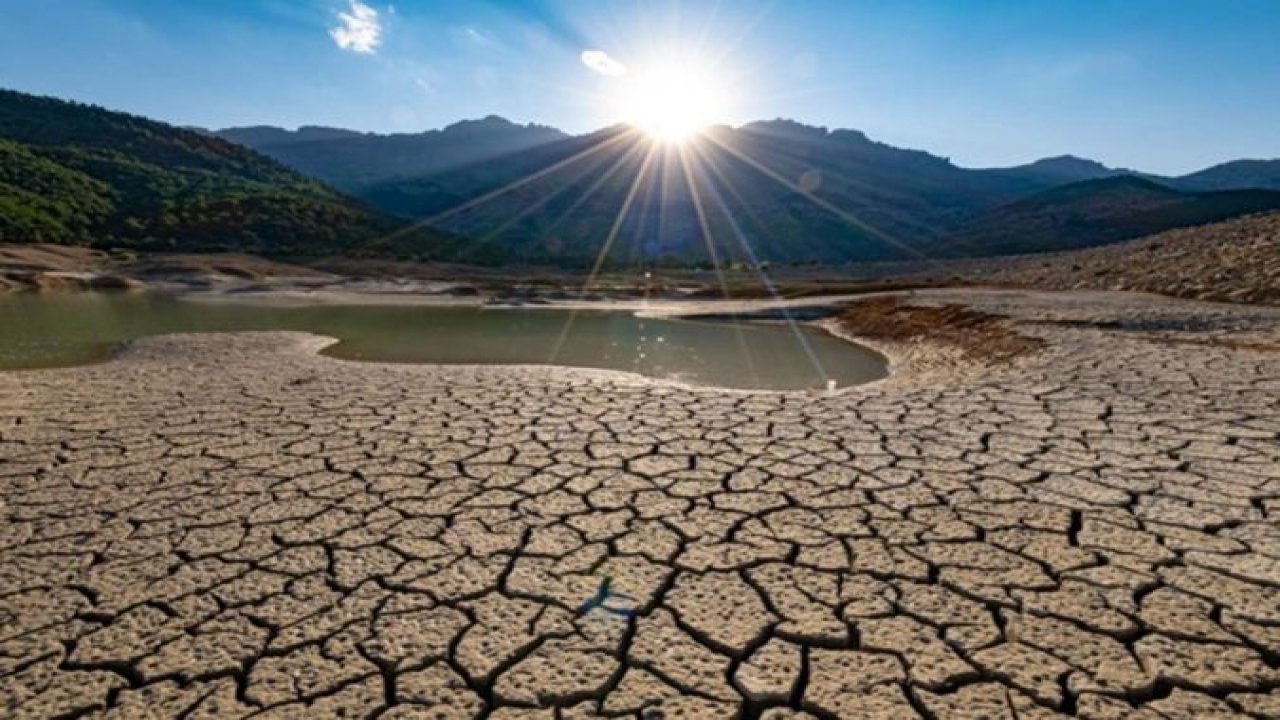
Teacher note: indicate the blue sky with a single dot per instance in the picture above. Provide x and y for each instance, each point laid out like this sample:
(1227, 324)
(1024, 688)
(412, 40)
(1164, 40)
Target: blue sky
(1159, 85)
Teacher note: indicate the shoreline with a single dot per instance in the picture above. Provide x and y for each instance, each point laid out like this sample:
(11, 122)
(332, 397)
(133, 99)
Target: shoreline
(906, 362)
(686, 310)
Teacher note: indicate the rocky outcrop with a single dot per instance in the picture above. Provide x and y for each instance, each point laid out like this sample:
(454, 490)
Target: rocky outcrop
(1233, 261)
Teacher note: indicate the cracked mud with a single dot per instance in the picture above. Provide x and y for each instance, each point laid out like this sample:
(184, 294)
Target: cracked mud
(227, 526)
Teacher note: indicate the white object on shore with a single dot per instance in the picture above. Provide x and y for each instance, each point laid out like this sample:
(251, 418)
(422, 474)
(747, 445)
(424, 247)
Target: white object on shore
(831, 386)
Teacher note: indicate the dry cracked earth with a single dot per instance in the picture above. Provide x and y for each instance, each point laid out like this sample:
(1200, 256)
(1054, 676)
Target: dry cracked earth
(230, 526)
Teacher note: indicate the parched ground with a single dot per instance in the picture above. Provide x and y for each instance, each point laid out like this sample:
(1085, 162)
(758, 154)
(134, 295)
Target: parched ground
(225, 526)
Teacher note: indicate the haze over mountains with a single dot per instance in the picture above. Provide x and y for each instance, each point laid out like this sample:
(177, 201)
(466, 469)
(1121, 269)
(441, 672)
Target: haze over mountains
(349, 159)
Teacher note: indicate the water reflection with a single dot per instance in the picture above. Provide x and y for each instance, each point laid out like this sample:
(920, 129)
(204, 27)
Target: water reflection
(70, 329)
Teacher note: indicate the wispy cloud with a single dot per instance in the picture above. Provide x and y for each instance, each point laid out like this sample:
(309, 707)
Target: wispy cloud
(475, 37)
(599, 61)
(359, 30)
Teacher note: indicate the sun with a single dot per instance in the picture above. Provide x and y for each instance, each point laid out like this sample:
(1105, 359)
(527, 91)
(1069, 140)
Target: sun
(672, 103)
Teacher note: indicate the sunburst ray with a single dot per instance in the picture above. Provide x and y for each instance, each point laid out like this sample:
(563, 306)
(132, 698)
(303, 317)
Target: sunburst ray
(606, 246)
(754, 262)
(513, 185)
(847, 217)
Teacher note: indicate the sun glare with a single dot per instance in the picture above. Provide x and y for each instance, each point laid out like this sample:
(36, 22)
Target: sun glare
(670, 103)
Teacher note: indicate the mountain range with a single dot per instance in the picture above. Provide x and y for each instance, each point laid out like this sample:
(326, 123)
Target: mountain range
(1096, 212)
(493, 191)
(349, 159)
(776, 190)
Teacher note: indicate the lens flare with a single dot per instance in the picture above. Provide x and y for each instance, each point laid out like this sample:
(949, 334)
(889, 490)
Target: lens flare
(672, 103)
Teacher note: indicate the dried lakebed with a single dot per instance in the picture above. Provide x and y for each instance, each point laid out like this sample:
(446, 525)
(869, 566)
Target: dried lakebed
(50, 330)
(229, 526)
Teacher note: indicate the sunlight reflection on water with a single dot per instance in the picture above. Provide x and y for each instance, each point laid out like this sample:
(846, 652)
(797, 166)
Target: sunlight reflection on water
(77, 328)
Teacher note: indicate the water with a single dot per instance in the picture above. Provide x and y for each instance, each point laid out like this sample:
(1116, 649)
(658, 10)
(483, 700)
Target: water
(55, 330)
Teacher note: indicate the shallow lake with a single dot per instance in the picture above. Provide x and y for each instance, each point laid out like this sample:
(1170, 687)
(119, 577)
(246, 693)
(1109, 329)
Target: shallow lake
(53, 330)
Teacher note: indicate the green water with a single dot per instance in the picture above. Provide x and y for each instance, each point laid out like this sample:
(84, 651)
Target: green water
(54, 330)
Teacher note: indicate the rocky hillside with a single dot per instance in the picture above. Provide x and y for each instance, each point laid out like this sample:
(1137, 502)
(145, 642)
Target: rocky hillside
(1234, 261)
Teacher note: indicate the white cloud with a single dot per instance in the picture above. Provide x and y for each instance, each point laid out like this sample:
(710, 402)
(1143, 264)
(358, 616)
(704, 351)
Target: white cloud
(599, 61)
(359, 29)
